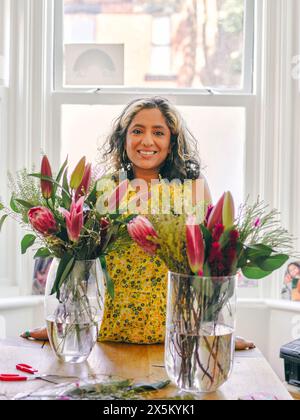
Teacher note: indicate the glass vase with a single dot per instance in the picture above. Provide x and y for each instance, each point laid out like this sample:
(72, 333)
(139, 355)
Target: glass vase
(200, 342)
(75, 315)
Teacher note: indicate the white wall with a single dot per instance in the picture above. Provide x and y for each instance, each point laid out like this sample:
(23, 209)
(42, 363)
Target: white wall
(270, 324)
(20, 314)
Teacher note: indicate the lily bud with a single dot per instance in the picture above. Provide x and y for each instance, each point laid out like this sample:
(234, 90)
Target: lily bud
(77, 175)
(46, 186)
(195, 246)
(228, 211)
(216, 215)
(85, 183)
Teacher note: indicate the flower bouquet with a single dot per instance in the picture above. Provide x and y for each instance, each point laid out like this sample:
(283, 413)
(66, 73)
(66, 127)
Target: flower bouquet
(204, 260)
(61, 214)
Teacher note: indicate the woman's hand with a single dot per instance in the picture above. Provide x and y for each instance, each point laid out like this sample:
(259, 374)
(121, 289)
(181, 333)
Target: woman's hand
(39, 334)
(242, 344)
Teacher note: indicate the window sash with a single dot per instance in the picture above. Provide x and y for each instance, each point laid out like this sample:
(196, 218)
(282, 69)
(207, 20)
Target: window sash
(248, 65)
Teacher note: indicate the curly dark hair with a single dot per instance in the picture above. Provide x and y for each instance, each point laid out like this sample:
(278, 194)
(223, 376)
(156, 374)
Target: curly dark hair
(183, 161)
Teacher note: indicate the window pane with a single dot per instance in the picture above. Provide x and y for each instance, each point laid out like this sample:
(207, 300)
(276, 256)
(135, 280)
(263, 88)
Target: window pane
(4, 39)
(204, 41)
(221, 145)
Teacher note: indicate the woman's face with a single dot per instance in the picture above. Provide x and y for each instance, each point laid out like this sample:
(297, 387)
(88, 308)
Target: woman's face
(148, 140)
(294, 270)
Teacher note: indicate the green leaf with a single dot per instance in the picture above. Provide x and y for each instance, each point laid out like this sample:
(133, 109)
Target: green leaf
(1, 206)
(42, 253)
(272, 263)
(256, 251)
(251, 271)
(2, 220)
(25, 204)
(92, 198)
(150, 387)
(64, 268)
(58, 178)
(13, 206)
(27, 242)
(66, 197)
(109, 283)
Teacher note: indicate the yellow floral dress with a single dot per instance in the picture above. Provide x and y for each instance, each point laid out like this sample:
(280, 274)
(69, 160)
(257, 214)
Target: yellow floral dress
(138, 312)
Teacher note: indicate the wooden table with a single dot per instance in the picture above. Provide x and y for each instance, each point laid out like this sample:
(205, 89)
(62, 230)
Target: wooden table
(251, 373)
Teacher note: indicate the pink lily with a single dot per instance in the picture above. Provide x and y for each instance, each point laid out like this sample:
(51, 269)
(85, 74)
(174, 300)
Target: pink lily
(195, 246)
(46, 186)
(74, 219)
(141, 231)
(85, 183)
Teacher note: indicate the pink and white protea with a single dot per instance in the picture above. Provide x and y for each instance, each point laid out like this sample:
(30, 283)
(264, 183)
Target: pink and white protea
(42, 220)
(74, 219)
(195, 246)
(141, 231)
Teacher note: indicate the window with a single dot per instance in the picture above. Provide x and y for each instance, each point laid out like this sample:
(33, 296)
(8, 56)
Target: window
(4, 41)
(170, 44)
(4, 50)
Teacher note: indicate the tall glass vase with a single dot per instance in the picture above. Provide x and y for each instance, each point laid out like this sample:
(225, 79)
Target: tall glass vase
(199, 346)
(75, 315)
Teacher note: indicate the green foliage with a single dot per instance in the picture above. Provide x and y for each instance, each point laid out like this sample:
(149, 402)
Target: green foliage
(231, 16)
(65, 267)
(27, 242)
(2, 220)
(109, 283)
(114, 390)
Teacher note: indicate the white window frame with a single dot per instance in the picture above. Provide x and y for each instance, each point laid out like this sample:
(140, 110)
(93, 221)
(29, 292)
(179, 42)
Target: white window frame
(270, 130)
(247, 64)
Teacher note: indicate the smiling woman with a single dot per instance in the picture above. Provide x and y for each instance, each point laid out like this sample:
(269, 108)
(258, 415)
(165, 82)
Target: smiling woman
(151, 138)
(149, 141)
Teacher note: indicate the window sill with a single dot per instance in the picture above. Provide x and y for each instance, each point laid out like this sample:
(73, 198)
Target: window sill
(21, 302)
(276, 304)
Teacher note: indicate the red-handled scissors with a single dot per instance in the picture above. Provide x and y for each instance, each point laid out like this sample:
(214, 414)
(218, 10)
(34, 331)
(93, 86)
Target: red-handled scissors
(15, 378)
(18, 378)
(26, 368)
(34, 372)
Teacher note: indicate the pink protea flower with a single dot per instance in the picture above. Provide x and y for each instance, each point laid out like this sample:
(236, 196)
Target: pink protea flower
(74, 219)
(141, 231)
(195, 246)
(42, 220)
(46, 186)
